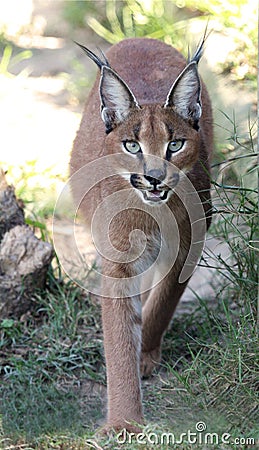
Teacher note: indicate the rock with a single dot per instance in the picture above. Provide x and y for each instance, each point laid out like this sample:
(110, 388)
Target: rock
(24, 259)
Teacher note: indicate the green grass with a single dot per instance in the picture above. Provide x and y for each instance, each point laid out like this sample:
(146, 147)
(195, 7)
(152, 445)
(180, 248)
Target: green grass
(219, 367)
(44, 359)
(209, 375)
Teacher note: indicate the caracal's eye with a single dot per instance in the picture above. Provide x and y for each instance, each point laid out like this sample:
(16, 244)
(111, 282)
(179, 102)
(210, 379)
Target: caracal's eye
(175, 146)
(132, 146)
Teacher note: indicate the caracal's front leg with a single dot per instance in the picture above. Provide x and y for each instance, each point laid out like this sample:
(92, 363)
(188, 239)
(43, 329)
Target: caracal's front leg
(122, 343)
(156, 316)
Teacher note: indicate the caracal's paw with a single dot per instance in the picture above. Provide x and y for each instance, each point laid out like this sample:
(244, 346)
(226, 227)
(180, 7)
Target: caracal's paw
(112, 429)
(148, 361)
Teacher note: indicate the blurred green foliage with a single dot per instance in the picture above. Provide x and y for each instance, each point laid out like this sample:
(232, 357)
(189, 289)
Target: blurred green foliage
(8, 60)
(31, 181)
(171, 20)
(74, 11)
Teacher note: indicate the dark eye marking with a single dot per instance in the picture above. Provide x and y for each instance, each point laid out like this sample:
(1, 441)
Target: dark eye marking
(170, 131)
(136, 131)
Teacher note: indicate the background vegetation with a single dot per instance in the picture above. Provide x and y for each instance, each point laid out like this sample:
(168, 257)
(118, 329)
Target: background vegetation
(51, 360)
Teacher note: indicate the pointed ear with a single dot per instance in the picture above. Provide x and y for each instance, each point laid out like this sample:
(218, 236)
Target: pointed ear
(184, 95)
(117, 100)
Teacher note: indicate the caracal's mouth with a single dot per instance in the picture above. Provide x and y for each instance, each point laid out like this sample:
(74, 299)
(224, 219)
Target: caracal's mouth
(156, 192)
(155, 196)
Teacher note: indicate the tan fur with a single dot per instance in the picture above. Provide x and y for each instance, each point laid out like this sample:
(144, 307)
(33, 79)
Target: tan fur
(149, 68)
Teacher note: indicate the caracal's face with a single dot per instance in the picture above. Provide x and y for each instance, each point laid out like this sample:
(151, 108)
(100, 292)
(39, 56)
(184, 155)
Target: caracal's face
(164, 146)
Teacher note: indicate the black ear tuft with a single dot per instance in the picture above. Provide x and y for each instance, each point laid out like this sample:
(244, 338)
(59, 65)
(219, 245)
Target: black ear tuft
(117, 100)
(199, 51)
(94, 57)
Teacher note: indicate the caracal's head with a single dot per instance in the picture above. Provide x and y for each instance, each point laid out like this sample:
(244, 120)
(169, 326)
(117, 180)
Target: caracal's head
(163, 139)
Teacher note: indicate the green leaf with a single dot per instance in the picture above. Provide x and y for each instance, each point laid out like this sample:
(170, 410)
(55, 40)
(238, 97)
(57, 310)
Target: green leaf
(7, 323)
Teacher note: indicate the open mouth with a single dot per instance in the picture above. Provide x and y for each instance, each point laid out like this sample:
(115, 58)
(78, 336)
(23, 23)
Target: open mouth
(155, 195)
